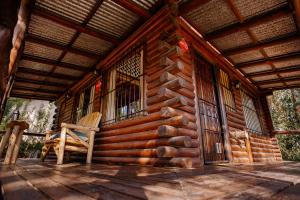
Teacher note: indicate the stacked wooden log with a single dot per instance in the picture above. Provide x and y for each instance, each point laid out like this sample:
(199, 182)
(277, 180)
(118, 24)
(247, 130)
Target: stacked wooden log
(264, 149)
(167, 135)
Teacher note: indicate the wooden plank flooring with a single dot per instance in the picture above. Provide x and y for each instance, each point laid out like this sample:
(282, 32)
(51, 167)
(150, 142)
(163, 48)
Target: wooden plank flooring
(31, 179)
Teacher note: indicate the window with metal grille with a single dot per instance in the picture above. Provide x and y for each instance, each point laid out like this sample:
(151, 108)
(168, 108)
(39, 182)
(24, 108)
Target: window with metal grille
(85, 102)
(250, 113)
(226, 91)
(123, 96)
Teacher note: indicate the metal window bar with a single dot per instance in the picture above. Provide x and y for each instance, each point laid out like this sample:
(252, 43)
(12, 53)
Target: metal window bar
(86, 102)
(123, 94)
(226, 91)
(250, 113)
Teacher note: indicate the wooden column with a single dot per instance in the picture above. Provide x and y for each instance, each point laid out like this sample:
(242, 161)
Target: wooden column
(4, 140)
(16, 128)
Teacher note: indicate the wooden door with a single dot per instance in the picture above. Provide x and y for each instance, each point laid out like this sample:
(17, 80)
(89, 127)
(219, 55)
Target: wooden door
(209, 111)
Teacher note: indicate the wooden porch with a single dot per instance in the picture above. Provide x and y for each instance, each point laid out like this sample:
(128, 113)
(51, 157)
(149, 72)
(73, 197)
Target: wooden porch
(31, 179)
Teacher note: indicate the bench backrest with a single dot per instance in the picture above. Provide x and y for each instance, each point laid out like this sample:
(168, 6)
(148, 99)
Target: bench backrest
(90, 120)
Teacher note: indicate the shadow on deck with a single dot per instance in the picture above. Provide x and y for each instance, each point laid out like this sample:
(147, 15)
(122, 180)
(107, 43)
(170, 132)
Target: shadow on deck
(31, 179)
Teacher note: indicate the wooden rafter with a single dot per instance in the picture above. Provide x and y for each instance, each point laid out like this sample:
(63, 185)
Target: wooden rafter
(271, 72)
(53, 62)
(260, 45)
(33, 96)
(254, 21)
(36, 82)
(45, 42)
(25, 88)
(285, 57)
(191, 5)
(78, 27)
(279, 80)
(132, 6)
(46, 74)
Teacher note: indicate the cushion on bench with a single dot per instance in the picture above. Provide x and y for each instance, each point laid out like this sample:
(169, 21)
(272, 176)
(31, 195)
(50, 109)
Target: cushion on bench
(79, 134)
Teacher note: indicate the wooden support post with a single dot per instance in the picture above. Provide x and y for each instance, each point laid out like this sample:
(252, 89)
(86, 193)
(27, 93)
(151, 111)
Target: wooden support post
(90, 148)
(17, 147)
(62, 144)
(11, 145)
(4, 140)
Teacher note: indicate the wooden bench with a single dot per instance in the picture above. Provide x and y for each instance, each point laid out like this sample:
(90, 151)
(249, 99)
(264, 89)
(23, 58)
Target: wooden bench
(68, 139)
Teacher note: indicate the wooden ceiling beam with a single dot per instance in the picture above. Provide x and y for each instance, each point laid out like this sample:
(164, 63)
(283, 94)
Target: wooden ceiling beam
(285, 57)
(132, 6)
(254, 21)
(35, 96)
(292, 78)
(53, 62)
(271, 72)
(25, 88)
(78, 27)
(191, 5)
(261, 45)
(42, 41)
(36, 82)
(46, 74)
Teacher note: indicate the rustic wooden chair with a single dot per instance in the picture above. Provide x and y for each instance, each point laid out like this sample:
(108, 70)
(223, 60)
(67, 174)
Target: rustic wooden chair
(73, 138)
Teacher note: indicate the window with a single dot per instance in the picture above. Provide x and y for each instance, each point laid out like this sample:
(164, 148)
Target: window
(250, 113)
(226, 91)
(85, 103)
(123, 96)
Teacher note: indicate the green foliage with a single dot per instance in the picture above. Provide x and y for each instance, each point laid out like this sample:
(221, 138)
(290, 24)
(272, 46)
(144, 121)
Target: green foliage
(285, 117)
(37, 115)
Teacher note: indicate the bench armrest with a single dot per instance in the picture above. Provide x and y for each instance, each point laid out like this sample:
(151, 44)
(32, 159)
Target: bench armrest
(83, 128)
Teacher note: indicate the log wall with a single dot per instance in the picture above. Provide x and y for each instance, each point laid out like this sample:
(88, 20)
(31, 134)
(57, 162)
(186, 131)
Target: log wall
(168, 133)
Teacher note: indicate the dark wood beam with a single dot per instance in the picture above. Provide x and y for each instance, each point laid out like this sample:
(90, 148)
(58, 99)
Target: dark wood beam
(285, 57)
(35, 96)
(36, 82)
(191, 5)
(53, 62)
(25, 88)
(292, 78)
(78, 27)
(45, 42)
(132, 6)
(296, 4)
(271, 72)
(261, 45)
(46, 74)
(254, 21)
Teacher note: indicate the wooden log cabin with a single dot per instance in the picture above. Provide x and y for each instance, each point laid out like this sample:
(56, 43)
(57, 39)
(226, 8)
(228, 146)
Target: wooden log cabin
(178, 83)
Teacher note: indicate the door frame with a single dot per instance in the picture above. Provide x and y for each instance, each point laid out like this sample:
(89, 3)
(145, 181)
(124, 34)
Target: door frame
(222, 112)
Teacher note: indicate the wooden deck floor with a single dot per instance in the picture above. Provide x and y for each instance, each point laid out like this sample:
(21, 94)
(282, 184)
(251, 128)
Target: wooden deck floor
(31, 179)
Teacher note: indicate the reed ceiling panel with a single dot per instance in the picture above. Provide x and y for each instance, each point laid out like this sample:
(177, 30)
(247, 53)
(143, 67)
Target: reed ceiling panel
(246, 56)
(114, 19)
(250, 8)
(265, 77)
(287, 63)
(92, 44)
(79, 60)
(297, 82)
(48, 29)
(42, 51)
(284, 48)
(146, 4)
(211, 16)
(75, 10)
(71, 72)
(35, 65)
(30, 76)
(234, 40)
(290, 74)
(257, 68)
(275, 28)
(57, 80)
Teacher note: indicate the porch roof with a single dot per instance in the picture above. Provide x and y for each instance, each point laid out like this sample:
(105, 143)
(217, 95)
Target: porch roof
(67, 39)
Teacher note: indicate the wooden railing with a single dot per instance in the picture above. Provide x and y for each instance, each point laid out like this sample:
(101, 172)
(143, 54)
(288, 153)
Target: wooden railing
(27, 133)
(286, 132)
